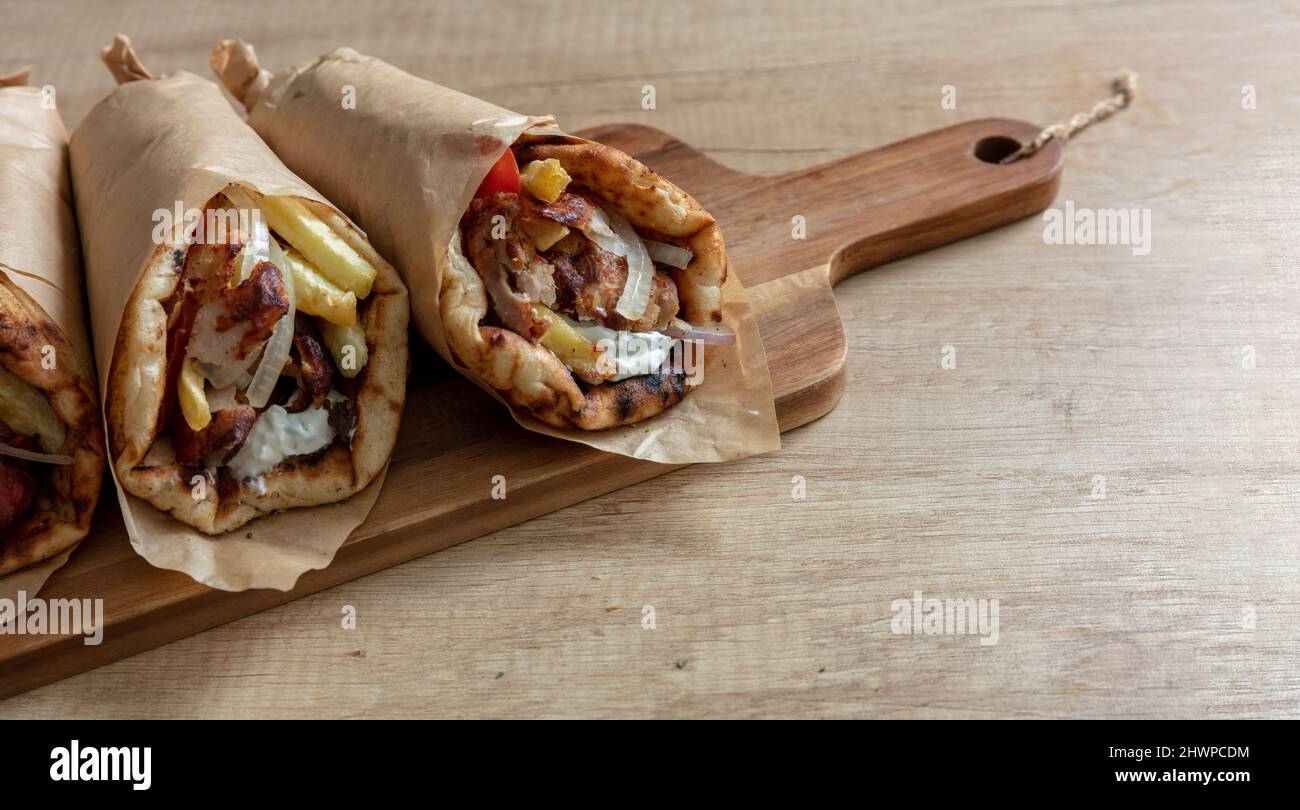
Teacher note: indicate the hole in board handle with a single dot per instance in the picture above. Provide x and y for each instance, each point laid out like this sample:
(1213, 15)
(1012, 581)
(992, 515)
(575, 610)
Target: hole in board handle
(993, 149)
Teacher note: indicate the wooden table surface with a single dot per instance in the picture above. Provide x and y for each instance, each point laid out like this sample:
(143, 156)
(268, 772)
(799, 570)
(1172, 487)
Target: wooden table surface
(1115, 456)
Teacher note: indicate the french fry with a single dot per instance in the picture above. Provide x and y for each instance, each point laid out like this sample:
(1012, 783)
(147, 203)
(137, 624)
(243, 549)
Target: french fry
(544, 232)
(325, 249)
(347, 344)
(545, 179)
(26, 410)
(574, 350)
(193, 399)
(317, 295)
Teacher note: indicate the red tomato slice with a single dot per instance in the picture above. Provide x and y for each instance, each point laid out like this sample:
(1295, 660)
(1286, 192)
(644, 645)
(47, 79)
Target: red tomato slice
(503, 176)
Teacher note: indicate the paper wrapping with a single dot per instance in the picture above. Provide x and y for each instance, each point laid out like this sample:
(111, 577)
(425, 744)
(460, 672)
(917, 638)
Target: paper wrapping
(31, 579)
(403, 157)
(38, 242)
(148, 145)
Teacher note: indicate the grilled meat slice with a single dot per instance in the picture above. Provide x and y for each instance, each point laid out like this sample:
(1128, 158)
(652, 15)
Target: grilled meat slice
(17, 491)
(205, 268)
(17, 484)
(315, 365)
(259, 300)
(570, 208)
(343, 418)
(220, 440)
(575, 276)
(589, 279)
(513, 273)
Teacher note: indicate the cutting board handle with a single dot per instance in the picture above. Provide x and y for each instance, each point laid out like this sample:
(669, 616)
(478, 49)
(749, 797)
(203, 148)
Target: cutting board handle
(876, 206)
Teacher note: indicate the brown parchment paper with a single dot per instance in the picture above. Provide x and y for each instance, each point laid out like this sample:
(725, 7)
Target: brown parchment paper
(403, 157)
(39, 251)
(31, 579)
(148, 145)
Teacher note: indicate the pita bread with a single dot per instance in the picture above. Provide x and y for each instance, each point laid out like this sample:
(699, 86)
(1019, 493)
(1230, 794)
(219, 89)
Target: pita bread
(528, 375)
(67, 495)
(142, 452)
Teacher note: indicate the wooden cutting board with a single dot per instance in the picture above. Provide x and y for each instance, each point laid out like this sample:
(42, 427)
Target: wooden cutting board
(858, 212)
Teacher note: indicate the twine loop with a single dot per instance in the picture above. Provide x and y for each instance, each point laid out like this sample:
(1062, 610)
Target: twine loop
(1124, 89)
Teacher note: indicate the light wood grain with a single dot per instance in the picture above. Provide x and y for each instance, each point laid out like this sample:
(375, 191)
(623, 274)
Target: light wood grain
(1072, 362)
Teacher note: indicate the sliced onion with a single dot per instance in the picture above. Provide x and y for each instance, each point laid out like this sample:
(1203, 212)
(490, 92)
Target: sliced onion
(276, 353)
(635, 297)
(713, 334)
(222, 375)
(32, 455)
(599, 231)
(258, 248)
(670, 255)
(219, 399)
(274, 357)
